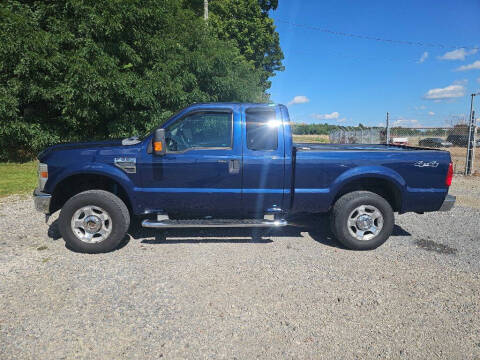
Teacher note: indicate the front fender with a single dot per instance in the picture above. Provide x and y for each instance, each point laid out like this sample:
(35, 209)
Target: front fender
(89, 168)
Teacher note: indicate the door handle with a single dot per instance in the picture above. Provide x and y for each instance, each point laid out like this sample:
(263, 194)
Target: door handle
(233, 166)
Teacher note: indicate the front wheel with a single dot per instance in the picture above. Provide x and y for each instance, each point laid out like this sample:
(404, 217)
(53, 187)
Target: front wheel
(94, 221)
(362, 220)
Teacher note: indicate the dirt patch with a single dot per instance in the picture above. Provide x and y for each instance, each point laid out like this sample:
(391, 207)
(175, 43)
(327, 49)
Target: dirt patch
(431, 245)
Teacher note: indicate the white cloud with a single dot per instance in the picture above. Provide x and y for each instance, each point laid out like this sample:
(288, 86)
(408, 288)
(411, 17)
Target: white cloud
(458, 54)
(333, 116)
(431, 113)
(421, 107)
(299, 99)
(406, 123)
(448, 92)
(423, 57)
(461, 82)
(473, 66)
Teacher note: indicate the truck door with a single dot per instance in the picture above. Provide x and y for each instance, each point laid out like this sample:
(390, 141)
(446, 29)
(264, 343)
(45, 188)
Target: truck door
(263, 159)
(200, 173)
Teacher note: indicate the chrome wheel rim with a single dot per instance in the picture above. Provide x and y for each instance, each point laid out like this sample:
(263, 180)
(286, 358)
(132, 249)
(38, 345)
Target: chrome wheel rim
(365, 222)
(91, 224)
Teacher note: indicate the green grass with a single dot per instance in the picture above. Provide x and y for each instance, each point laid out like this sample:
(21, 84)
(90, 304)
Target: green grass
(17, 178)
(311, 138)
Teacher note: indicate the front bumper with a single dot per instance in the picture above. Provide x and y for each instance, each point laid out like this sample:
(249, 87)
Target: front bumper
(42, 201)
(448, 203)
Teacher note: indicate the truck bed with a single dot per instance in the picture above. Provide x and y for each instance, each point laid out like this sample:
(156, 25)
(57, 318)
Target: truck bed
(320, 171)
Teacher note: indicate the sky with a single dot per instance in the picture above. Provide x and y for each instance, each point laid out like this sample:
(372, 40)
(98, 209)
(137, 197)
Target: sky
(422, 78)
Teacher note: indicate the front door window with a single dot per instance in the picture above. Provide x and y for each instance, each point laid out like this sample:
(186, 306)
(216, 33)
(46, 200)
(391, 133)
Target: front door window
(200, 130)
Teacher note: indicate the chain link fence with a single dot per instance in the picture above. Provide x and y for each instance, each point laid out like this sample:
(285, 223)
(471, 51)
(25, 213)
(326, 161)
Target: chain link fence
(357, 136)
(453, 139)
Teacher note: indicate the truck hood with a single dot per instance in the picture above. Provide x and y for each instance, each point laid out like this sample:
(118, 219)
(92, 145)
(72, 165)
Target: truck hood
(78, 145)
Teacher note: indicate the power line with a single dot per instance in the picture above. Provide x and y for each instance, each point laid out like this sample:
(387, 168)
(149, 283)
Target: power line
(344, 55)
(366, 37)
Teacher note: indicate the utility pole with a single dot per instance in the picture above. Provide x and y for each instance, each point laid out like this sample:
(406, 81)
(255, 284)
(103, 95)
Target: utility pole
(388, 128)
(472, 129)
(205, 10)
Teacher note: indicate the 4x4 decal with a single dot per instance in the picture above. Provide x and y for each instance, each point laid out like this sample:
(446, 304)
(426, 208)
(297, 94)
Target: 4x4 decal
(421, 163)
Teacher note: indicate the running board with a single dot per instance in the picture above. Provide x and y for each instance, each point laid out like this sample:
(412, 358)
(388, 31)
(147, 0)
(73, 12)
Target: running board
(213, 223)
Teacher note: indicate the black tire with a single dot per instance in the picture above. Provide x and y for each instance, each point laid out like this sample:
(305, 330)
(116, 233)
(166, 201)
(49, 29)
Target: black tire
(346, 205)
(116, 209)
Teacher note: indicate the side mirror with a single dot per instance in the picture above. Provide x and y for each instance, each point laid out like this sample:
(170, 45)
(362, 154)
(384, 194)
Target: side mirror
(159, 146)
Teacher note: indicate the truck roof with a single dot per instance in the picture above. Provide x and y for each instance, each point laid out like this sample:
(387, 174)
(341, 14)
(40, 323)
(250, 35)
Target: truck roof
(235, 103)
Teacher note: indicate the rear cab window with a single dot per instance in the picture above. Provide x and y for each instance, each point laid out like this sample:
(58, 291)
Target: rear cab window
(261, 129)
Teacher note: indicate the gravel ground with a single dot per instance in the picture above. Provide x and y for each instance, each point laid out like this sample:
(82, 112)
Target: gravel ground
(232, 293)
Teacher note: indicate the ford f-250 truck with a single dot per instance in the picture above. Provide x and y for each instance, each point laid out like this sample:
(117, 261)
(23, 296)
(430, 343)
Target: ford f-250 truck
(235, 165)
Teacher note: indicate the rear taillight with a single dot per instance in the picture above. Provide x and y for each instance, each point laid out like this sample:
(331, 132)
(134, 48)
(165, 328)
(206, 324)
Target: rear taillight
(448, 179)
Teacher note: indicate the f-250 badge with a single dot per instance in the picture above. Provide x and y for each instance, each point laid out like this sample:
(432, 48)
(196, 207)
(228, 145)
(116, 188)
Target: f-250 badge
(432, 164)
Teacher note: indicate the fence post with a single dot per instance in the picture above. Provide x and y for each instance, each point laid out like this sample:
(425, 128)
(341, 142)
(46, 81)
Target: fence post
(471, 144)
(388, 129)
(474, 143)
(472, 129)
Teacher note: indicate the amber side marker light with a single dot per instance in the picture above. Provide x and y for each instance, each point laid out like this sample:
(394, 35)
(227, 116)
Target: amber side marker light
(44, 174)
(448, 179)
(158, 146)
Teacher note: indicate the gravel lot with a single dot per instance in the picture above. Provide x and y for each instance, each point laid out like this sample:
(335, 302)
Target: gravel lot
(292, 293)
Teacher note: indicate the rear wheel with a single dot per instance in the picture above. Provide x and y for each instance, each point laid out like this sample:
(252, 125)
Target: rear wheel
(362, 220)
(94, 221)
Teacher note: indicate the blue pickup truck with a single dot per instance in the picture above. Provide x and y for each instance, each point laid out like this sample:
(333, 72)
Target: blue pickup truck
(235, 165)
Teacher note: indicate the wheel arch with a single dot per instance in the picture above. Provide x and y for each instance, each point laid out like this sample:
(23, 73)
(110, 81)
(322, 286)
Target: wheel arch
(78, 182)
(389, 186)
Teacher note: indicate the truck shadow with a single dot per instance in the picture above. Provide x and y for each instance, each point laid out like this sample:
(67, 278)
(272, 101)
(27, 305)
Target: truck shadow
(317, 227)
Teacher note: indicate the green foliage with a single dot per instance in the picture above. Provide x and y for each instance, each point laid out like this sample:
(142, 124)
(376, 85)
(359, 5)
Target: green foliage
(248, 24)
(313, 129)
(81, 70)
(322, 129)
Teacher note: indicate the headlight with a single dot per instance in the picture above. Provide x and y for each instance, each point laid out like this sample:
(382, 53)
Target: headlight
(42, 175)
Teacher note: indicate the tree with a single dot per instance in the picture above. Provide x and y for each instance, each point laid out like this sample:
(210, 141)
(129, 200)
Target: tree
(247, 22)
(80, 70)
